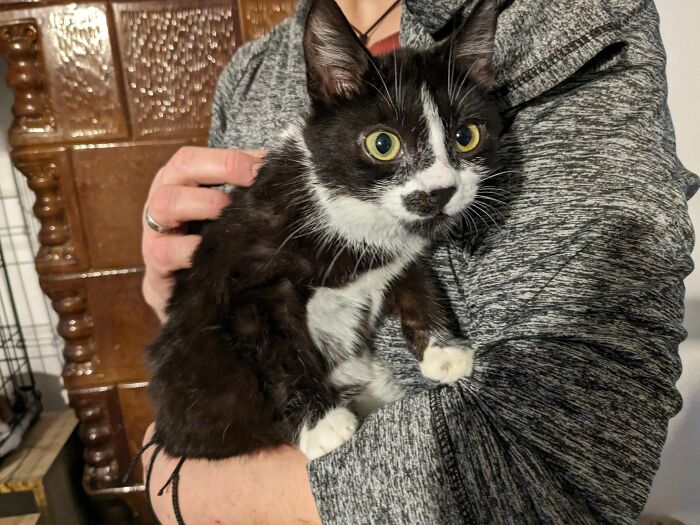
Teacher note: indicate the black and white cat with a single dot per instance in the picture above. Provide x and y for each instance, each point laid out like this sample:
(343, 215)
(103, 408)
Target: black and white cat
(267, 338)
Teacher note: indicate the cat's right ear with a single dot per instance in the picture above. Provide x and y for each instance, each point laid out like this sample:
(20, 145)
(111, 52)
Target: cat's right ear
(472, 45)
(336, 60)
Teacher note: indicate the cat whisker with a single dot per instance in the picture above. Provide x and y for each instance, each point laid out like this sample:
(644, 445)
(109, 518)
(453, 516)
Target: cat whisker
(482, 207)
(478, 215)
(359, 260)
(461, 83)
(396, 84)
(450, 71)
(493, 190)
(452, 228)
(332, 264)
(465, 77)
(387, 99)
(467, 217)
(381, 77)
(282, 245)
(491, 199)
(498, 174)
(469, 91)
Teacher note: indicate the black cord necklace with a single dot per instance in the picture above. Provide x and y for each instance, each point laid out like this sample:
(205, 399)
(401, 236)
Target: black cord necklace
(364, 36)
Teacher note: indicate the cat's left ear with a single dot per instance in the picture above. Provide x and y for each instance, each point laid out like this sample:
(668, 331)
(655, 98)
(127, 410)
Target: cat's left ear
(472, 45)
(335, 58)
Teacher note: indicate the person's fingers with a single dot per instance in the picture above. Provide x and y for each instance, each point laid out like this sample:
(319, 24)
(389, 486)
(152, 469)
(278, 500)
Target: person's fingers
(156, 290)
(167, 253)
(193, 166)
(170, 205)
(175, 198)
(164, 254)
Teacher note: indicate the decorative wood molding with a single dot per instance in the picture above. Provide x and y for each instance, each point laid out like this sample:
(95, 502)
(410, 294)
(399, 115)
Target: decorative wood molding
(100, 423)
(74, 326)
(54, 236)
(172, 53)
(20, 44)
(58, 251)
(259, 16)
(81, 71)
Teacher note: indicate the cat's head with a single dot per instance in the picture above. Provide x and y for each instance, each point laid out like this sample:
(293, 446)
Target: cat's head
(399, 142)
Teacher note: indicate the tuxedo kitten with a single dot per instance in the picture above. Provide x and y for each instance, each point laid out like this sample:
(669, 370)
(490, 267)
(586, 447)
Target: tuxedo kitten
(267, 338)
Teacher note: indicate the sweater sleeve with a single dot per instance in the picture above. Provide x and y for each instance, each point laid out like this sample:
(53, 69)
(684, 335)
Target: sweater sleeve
(253, 89)
(239, 70)
(574, 305)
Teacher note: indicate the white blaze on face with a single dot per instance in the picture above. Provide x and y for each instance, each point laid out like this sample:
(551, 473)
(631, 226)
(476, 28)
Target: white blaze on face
(441, 174)
(360, 223)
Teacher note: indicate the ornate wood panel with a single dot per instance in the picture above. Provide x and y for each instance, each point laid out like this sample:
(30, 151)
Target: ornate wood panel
(167, 59)
(60, 63)
(94, 164)
(104, 93)
(259, 15)
(49, 175)
(22, 47)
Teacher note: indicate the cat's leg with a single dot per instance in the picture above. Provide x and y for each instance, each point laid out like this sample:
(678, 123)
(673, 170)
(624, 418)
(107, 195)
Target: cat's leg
(447, 362)
(327, 421)
(415, 299)
(366, 382)
(318, 419)
(360, 384)
(323, 433)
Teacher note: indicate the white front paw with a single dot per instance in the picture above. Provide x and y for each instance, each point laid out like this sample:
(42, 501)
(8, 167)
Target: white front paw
(334, 429)
(447, 364)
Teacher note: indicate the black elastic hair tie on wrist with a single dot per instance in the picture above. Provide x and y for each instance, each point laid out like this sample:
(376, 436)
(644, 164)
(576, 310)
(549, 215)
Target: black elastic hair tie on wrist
(158, 448)
(174, 477)
(134, 461)
(176, 502)
(175, 480)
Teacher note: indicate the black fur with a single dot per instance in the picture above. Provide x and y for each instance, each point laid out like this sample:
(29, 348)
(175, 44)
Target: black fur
(235, 368)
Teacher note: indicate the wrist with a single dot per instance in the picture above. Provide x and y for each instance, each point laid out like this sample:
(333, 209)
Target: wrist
(271, 486)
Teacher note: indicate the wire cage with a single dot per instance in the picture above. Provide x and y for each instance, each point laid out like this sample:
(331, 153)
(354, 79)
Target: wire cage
(20, 401)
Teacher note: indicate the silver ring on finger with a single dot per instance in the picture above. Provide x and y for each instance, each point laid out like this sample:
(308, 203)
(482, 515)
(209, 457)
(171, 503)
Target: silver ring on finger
(153, 225)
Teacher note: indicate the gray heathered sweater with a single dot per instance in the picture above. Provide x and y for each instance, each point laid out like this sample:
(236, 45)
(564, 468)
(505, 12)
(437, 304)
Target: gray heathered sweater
(574, 305)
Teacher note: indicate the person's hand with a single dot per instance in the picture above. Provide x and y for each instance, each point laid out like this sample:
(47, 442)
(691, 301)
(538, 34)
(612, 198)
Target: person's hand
(270, 486)
(175, 198)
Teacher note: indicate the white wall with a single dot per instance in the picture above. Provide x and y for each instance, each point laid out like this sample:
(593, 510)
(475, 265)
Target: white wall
(676, 489)
(18, 229)
(680, 24)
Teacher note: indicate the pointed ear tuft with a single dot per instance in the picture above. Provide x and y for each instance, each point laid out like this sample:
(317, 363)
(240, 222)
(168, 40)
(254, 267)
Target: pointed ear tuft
(335, 58)
(473, 43)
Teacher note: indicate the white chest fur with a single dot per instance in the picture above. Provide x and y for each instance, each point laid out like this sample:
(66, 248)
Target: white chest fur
(339, 318)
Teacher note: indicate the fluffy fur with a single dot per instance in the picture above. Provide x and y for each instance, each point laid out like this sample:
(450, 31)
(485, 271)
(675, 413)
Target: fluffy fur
(266, 338)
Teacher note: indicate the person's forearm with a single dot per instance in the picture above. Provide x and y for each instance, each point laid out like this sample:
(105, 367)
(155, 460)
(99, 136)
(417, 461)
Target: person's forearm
(270, 487)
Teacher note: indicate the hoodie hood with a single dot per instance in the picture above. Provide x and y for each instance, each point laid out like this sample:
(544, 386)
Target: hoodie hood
(539, 43)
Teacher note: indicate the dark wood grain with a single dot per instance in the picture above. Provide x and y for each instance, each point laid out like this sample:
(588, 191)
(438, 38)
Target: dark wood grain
(172, 53)
(258, 16)
(111, 182)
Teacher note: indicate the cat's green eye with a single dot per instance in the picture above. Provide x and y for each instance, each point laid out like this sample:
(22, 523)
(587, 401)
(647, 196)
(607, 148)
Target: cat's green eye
(467, 138)
(383, 145)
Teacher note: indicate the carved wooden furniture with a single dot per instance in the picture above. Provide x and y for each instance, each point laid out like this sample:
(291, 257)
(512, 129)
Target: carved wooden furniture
(105, 92)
